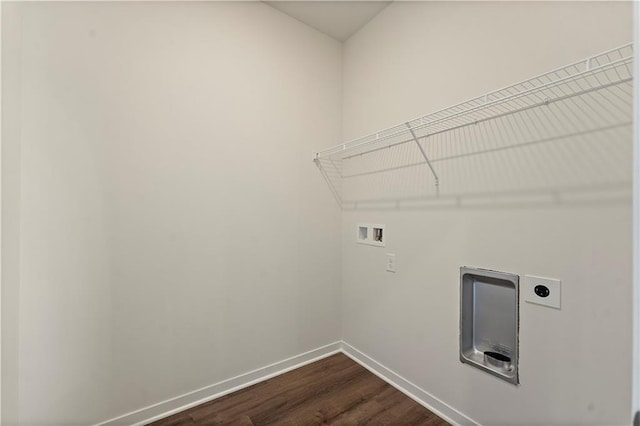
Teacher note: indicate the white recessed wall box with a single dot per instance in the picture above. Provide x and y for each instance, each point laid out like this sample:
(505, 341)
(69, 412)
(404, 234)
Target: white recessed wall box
(371, 234)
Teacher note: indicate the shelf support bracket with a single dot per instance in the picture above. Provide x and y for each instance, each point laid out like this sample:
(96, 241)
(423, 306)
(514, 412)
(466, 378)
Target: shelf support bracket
(424, 155)
(325, 175)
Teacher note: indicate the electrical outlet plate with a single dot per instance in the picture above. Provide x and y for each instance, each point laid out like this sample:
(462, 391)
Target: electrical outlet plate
(552, 300)
(391, 262)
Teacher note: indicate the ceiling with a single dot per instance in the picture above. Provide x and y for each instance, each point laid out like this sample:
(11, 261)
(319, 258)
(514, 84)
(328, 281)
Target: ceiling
(337, 19)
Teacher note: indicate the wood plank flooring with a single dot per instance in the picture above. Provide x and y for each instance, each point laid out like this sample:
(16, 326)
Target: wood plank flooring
(332, 391)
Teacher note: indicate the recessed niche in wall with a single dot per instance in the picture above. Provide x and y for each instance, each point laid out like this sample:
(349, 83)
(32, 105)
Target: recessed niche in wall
(489, 322)
(363, 233)
(370, 234)
(377, 235)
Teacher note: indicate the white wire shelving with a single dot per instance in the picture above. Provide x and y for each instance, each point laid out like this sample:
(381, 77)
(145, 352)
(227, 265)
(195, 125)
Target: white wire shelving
(589, 101)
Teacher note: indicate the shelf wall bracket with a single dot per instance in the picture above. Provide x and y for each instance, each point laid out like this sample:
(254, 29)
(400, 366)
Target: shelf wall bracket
(424, 155)
(327, 178)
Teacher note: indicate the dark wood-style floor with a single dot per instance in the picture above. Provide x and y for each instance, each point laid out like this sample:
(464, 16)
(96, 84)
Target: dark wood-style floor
(335, 391)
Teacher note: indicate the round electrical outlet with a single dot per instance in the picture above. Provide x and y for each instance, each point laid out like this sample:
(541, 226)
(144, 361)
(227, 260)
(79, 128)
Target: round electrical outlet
(541, 290)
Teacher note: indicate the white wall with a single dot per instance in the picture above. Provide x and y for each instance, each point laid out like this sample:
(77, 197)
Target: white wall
(165, 227)
(635, 406)
(418, 57)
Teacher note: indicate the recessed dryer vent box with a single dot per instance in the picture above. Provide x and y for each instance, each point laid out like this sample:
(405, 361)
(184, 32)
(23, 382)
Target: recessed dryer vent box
(489, 322)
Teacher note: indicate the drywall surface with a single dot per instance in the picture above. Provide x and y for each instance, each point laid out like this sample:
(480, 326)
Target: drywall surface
(415, 58)
(170, 228)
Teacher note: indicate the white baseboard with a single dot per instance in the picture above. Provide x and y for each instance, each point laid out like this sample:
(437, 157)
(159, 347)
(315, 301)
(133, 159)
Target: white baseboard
(414, 392)
(183, 402)
(191, 399)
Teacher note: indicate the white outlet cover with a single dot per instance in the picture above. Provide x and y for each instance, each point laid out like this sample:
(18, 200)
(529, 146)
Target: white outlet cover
(552, 300)
(391, 262)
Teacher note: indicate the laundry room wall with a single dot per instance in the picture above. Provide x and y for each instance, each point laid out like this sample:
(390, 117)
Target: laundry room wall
(163, 226)
(419, 57)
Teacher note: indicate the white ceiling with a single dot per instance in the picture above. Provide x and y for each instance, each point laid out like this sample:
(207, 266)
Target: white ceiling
(337, 19)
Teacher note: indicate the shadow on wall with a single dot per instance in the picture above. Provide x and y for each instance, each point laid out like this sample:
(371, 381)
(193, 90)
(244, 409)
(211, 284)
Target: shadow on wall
(568, 143)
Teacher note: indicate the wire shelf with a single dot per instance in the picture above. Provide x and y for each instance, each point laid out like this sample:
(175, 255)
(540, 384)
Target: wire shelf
(581, 105)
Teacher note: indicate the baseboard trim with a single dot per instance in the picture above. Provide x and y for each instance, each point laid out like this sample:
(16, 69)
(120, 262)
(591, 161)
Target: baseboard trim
(413, 391)
(191, 399)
